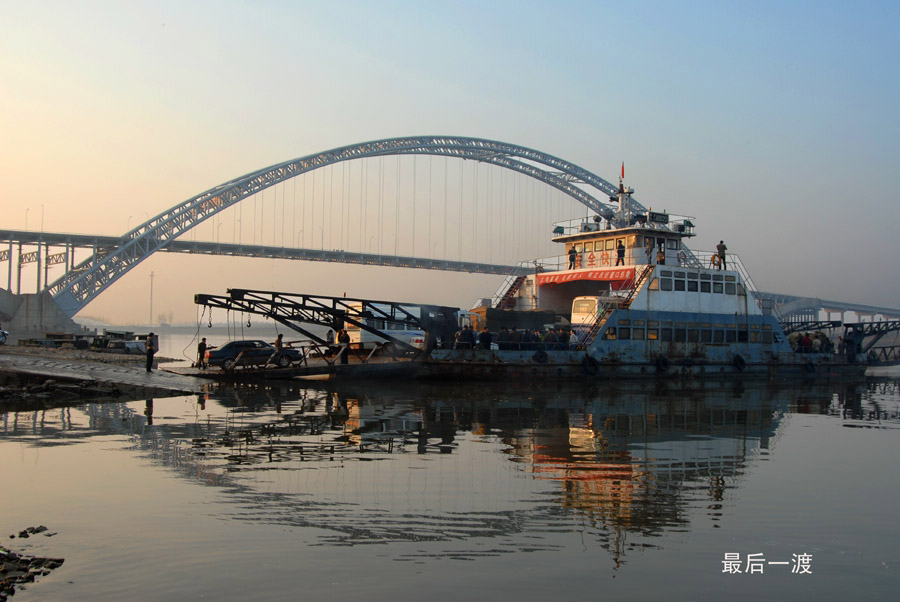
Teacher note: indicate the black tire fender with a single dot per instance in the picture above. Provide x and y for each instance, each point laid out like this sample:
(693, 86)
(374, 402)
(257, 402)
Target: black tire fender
(739, 363)
(540, 356)
(590, 365)
(662, 364)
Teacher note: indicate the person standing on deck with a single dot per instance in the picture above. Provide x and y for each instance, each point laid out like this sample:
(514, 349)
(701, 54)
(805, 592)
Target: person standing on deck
(573, 255)
(620, 253)
(721, 248)
(344, 340)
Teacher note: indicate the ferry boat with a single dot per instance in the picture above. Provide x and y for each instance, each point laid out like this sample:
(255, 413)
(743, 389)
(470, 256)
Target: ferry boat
(640, 302)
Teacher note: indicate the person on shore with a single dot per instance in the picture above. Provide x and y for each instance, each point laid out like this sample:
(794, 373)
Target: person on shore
(720, 249)
(201, 353)
(152, 346)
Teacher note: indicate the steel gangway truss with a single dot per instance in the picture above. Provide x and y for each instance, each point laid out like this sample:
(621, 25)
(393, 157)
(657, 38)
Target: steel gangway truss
(298, 311)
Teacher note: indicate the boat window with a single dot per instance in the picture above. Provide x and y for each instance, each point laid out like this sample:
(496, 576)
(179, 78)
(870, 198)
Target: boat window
(704, 287)
(598, 246)
(730, 336)
(578, 247)
(692, 275)
(636, 323)
(665, 273)
(717, 277)
(693, 335)
(654, 284)
(719, 325)
(679, 274)
(719, 336)
(706, 336)
(624, 322)
(665, 284)
(610, 334)
(638, 334)
(754, 327)
(767, 337)
(665, 334)
(653, 323)
(672, 243)
(767, 327)
(692, 285)
(679, 285)
(705, 276)
(730, 288)
(729, 278)
(652, 334)
(754, 337)
(717, 287)
(680, 336)
(624, 333)
(742, 336)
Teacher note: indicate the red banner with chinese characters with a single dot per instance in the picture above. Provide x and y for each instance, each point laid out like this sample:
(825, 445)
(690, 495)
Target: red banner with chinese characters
(571, 276)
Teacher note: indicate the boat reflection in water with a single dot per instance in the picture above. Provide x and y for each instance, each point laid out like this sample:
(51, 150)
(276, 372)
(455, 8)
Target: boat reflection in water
(378, 463)
(622, 481)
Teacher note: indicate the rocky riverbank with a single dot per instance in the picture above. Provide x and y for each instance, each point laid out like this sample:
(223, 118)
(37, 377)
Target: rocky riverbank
(18, 570)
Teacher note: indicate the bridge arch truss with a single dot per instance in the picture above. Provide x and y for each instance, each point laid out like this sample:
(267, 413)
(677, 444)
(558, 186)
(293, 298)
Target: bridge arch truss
(78, 286)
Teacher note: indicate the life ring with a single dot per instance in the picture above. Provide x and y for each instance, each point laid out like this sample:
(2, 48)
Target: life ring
(715, 260)
(590, 365)
(662, 364)
(540, 356)
(739, 363)
(605, 257)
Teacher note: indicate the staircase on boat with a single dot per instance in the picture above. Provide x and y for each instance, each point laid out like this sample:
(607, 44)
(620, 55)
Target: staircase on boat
(604, 310)
(506, 300)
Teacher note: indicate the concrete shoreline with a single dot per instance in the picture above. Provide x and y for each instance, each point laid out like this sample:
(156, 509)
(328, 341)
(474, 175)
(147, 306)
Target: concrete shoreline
(37, 379)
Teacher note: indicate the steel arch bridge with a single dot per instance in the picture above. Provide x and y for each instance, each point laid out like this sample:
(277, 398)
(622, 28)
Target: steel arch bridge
(81, 284)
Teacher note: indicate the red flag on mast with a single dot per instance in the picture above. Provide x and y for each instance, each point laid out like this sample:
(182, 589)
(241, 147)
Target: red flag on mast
(623, 170)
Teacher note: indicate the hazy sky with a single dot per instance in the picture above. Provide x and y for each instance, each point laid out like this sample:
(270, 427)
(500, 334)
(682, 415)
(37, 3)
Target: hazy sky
(774, 123)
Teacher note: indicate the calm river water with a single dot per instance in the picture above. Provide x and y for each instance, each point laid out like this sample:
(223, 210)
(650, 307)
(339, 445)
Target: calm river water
(463, 492)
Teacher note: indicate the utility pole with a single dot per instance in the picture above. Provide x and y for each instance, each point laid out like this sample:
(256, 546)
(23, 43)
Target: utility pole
(151, 299)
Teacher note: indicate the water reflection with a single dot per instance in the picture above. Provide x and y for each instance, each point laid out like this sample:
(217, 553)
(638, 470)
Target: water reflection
(487, 469)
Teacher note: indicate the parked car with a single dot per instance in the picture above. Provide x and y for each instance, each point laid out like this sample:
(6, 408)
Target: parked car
(250, 353)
